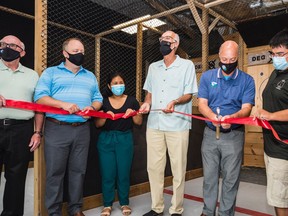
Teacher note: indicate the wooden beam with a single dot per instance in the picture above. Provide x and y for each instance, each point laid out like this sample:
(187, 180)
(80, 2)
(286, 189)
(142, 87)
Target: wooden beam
(139, 62)
(164, 13)
(172, 18)
(153, 29)
(213, 24)
(196, 15)
(40, 63)
(205, 40)
(97, 58)
(215, 14)
(12, 11)
(117, 43)
(215, 3)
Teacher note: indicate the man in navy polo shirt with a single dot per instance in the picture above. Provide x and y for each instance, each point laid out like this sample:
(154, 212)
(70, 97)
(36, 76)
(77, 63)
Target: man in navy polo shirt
(231, 92)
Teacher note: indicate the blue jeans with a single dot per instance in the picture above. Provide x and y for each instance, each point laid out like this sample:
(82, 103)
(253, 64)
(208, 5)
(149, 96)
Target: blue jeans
(221, 156)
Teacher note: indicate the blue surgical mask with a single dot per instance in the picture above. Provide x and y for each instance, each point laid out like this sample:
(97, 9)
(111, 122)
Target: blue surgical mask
(280, 63)
(118, 89)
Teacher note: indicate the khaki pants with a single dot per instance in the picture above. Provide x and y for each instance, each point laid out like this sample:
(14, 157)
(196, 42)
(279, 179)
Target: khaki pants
(158, 142)
(277, 181)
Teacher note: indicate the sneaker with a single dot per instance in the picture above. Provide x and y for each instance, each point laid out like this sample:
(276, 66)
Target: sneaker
(153, 213)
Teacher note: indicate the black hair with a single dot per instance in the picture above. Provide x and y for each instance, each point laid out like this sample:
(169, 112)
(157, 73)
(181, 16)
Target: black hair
(107, 92)
(280, 39)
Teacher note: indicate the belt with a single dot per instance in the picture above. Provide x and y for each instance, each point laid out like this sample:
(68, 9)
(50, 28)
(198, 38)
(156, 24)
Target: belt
(74, 124)
(240, 128)
(7, 122)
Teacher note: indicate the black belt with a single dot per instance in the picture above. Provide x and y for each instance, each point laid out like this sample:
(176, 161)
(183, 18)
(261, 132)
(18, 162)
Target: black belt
(75, 124)
(7, 122)
(240, 128)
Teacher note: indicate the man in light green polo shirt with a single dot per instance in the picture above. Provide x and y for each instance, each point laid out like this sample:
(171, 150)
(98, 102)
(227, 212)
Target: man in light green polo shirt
(20, 130)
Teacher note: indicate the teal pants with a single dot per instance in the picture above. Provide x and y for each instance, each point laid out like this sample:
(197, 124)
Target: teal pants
(115, 150)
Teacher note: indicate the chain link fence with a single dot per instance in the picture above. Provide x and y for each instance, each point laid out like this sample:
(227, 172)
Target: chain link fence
(91, 21)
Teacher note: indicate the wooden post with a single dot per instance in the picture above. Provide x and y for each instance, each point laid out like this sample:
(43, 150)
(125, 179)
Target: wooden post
(40, 63)
(139, 61)
(97, 58)
(205, 39)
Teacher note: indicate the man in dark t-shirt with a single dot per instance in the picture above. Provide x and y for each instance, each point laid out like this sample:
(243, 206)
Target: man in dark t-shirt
(275, 110)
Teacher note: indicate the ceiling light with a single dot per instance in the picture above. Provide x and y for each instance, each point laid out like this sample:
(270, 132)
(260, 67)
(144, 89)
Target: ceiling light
(133, 29)
(255, 4)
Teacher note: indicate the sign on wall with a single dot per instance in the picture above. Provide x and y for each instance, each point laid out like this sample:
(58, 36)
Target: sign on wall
(211, 65)
(258, 58)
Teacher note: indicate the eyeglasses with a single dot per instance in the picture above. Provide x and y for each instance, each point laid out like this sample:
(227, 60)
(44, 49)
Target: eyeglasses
(167, 38)
(11, 45)
(278, 54)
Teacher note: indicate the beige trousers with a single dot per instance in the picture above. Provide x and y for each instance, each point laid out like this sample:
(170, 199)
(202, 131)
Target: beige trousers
(158, 142)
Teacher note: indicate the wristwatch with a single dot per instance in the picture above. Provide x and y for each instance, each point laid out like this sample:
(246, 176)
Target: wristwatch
(39, 132)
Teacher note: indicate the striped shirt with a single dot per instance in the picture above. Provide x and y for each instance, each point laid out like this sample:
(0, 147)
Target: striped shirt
(62, 84)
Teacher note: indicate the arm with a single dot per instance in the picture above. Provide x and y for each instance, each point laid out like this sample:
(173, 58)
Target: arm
(70, 107)
(137, 119)
(96, 105)
(273, 116)
(38, 126)
(181, 100)
(100, 122)
(145, 108)
(2, 101)
(243, 112)
(205, 110)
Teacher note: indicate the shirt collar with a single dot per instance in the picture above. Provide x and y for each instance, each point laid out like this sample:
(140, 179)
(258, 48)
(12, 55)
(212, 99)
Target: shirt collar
(233, 76)
(4, 67)
(176, 63)
(62, 66)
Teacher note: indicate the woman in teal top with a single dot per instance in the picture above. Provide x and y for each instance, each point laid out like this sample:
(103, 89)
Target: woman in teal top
(115, 144)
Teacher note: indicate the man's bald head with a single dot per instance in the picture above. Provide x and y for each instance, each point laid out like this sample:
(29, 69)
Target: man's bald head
(228, 52)
(229, 45)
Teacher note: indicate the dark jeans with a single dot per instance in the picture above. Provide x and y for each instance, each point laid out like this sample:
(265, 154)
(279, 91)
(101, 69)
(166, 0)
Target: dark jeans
(15, 155)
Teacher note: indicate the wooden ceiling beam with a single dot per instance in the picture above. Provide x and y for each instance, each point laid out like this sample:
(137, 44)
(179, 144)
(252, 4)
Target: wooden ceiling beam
(172, 18)
(215, 3)
(215, 14)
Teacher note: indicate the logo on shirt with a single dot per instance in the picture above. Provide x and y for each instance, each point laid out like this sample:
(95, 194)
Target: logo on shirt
(280, 84)
(213, 84)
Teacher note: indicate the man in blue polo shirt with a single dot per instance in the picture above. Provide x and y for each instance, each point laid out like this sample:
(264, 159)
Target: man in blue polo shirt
(71, 87)
(225, 92)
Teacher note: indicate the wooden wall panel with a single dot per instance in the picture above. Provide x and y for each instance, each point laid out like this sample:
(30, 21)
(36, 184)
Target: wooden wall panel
(254, 148)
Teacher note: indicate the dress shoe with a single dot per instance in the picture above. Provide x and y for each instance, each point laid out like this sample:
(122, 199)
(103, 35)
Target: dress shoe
(153, 213)
(175, 214)
(79, 214)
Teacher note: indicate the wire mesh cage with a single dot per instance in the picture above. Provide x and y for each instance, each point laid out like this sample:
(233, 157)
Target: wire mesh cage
(112, 44)
(117, 50)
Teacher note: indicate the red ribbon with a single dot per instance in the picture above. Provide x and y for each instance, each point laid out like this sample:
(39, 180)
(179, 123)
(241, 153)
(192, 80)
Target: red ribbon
(44, 108)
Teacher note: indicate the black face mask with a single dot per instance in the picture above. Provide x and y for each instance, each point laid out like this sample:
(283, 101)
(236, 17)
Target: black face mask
(165, 48)
(8, 54)
(76, 59)
(228, 68)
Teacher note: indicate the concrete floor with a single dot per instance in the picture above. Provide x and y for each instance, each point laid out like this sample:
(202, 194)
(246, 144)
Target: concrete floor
(251, 198)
